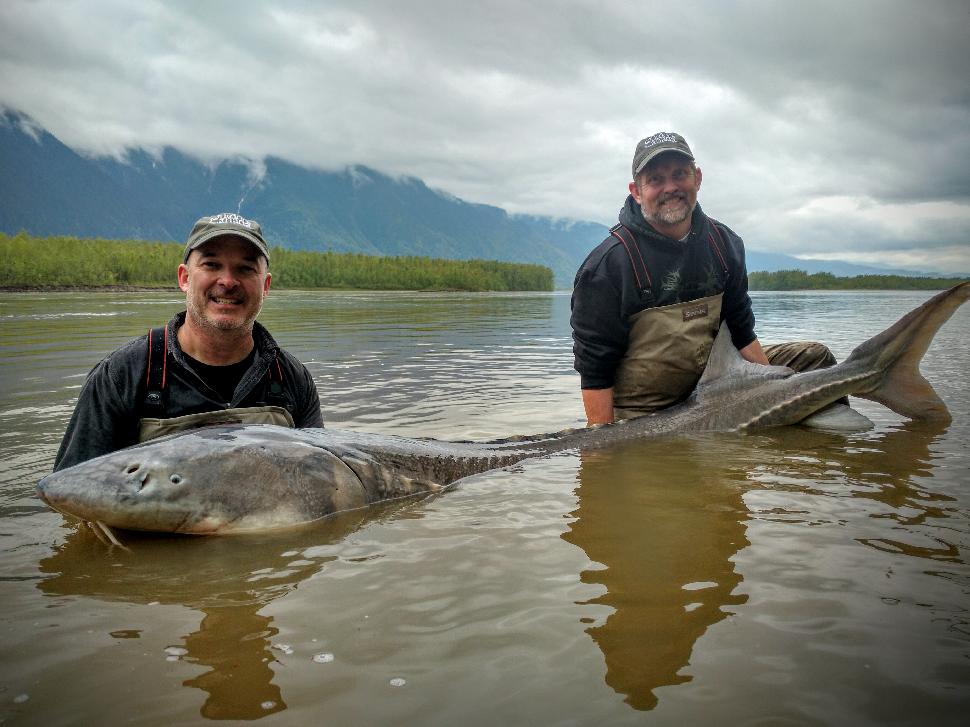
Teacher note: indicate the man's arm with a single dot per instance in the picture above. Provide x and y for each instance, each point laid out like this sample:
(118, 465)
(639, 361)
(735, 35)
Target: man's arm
(754, 353)
(599, 406)
(308, 413)
(99, 424)
(599, 340)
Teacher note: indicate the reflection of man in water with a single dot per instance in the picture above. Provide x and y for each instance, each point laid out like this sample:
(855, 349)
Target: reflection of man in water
(234, 638)
(666, 524)
(666, 544)
(234, 642)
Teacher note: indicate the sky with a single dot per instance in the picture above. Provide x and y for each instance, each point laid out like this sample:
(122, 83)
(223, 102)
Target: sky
(825, 129)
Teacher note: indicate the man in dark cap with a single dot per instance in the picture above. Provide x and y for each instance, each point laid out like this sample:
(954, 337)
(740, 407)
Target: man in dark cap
(211, 364)
(649, 300)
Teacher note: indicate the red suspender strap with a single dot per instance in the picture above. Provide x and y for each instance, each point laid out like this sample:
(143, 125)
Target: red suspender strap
(275, 371)
(148, 368)
(165, 358)
(629, 246)
(275, 394)
(717, 248)
(157, 370)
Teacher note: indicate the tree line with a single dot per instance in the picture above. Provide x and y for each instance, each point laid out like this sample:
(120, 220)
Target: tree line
(72, 262)
(800, 280)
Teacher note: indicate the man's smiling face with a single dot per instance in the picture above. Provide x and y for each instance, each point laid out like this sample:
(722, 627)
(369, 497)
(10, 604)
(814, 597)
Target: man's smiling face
(225, 281)
(667, 192)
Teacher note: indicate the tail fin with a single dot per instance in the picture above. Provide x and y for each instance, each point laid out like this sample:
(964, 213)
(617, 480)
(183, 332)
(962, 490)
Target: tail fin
(899, 349)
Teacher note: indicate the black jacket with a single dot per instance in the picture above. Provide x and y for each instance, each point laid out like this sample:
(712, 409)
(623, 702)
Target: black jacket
(606, 291)
(111, 402)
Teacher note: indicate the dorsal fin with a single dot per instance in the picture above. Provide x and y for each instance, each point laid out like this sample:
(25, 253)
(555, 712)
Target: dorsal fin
(725, 362)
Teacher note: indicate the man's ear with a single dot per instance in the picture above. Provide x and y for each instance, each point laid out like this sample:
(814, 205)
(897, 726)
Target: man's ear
(183, 278)
(635, 190)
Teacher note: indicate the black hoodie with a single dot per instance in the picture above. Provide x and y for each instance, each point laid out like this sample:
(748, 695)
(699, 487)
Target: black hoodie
(606, 293)
(111, 401)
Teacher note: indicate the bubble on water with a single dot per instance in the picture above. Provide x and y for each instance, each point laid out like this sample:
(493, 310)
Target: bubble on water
(21, 698)
(176, 651)
(285, 648)
(397, 682)
(324, 658)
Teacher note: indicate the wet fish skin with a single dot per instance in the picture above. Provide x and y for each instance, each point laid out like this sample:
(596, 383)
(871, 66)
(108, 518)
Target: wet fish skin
(222, 480)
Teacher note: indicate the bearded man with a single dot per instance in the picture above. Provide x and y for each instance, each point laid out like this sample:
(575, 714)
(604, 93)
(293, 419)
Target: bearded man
(211, 364)
(647, 302)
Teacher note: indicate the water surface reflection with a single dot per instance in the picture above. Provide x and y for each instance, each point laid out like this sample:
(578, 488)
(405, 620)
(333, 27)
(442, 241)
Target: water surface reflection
(663, 519)
(664, 522)
(229, 580)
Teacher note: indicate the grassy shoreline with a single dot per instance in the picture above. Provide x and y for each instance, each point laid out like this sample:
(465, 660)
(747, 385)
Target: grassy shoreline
(71, 263)
(800, 280)
(63, 263)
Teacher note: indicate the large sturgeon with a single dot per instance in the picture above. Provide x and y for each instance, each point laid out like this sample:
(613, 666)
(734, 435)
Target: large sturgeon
(232, 479)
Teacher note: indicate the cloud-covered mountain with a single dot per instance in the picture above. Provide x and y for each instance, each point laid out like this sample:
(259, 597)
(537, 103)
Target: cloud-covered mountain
(48, 189)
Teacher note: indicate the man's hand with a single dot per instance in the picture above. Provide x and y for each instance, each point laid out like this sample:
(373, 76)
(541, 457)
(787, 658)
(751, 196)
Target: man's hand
(599, 405)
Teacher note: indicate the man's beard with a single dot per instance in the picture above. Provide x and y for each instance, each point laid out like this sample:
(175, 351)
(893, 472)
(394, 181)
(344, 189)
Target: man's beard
(202, 318)
(668, 215)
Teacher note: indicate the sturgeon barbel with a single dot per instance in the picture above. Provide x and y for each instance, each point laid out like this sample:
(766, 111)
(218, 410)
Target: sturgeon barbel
(233, 479)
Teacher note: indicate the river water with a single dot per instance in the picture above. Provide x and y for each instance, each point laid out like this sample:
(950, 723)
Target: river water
(786, 577)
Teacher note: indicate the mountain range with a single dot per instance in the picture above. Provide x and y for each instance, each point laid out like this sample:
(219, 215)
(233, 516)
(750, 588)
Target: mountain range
(47, 188)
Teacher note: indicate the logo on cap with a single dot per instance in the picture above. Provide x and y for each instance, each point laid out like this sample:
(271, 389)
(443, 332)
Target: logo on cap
(664, 137)
(228, 218)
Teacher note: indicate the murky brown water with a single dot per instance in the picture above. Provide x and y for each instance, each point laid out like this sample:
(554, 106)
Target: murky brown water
(787, 577)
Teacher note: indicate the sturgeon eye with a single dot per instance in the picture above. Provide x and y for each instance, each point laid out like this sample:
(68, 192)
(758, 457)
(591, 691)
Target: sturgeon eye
(175, 479)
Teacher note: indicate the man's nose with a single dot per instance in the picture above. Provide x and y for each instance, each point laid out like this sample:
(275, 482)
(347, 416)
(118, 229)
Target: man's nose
(670, 185)
(227, 279)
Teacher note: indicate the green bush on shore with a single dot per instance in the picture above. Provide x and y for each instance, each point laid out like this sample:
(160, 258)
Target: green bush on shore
(800, 280)
(71, 262)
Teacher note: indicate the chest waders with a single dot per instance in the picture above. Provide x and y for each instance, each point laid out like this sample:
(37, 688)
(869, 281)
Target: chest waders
(151, 427)
(668, 345)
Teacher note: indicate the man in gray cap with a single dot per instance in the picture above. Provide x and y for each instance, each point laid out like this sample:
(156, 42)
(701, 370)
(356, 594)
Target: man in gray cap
(648, 301)
(211, 364)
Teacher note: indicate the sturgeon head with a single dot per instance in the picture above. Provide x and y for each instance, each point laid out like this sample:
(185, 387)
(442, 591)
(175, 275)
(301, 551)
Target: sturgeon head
(220, 480)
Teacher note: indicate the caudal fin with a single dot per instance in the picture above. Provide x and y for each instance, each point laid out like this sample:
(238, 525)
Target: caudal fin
(898, 351)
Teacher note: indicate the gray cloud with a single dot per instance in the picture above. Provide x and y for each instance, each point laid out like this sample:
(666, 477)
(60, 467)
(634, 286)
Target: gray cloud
(824, 128)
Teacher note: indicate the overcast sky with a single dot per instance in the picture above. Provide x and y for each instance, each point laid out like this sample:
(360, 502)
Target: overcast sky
(835, 129)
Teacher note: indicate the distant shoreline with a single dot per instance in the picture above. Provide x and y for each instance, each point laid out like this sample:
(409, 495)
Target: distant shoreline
(86, 289)
(176, 291)
(788, 280)
(71, 263)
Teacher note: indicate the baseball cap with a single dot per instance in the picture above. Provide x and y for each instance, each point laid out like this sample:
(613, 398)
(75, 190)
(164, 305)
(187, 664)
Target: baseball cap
(657, 144)
(227, 223)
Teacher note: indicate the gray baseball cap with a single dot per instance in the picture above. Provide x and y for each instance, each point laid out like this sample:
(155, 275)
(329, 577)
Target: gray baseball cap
(651, 147)
(227, 223)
